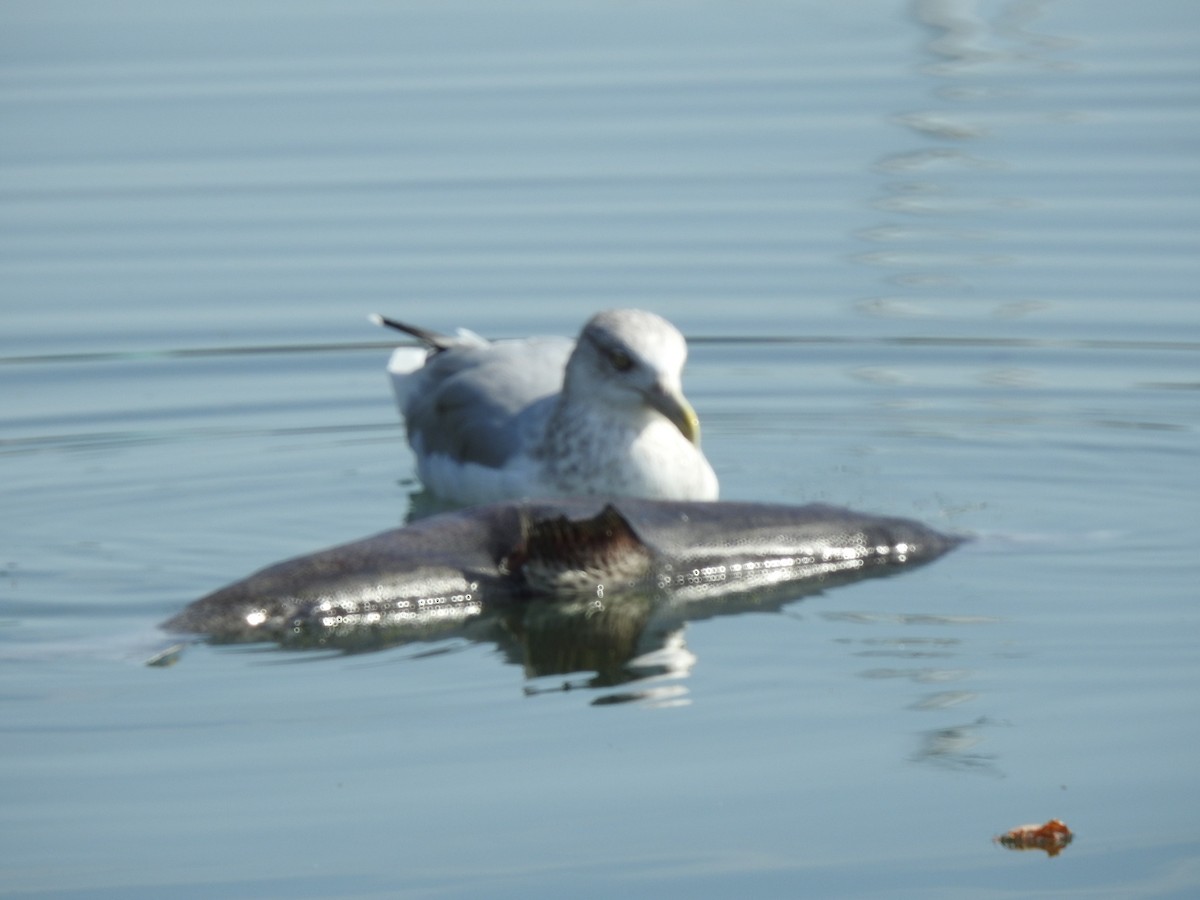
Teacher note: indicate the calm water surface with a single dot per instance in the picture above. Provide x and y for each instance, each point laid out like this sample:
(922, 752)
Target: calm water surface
(935, 259)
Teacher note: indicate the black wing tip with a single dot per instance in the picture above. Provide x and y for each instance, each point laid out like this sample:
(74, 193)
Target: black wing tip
(424, 335)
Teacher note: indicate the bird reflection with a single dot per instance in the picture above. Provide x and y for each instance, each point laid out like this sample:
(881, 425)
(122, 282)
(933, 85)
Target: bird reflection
(633, 639)
(953, 747)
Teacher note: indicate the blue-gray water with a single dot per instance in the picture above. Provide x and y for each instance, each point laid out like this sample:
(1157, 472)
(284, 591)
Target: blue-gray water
(935, 259)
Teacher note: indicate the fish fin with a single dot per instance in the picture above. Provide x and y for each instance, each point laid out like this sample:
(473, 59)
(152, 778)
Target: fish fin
(563, 556)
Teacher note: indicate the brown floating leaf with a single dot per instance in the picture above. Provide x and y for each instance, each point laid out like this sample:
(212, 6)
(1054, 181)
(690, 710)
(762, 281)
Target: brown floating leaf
(1051, 837)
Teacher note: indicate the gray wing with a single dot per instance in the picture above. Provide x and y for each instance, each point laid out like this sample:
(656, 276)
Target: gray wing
(486, 404)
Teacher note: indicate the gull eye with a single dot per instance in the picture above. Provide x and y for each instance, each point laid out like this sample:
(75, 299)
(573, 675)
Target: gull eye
(620, 360)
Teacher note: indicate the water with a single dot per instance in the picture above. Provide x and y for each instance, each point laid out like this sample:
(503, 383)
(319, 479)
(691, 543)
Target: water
(935, 260)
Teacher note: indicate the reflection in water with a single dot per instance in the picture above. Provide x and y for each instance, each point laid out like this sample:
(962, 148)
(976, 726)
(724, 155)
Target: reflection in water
(636, 642)
(939, 235)
(919, 675)
(963, 40)
(633, 639)
(947, 746)
(952, 747)
(594, 635)
(944, 700)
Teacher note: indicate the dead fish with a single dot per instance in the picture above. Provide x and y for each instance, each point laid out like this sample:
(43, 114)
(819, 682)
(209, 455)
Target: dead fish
(624, 560)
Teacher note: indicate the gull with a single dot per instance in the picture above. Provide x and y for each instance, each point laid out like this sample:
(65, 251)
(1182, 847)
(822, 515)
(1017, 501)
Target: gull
(551, 417)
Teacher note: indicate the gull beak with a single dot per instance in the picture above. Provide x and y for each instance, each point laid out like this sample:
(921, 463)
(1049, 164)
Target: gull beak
(671, 403)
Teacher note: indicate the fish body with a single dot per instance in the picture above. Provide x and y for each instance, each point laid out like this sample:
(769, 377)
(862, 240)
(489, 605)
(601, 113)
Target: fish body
(457, 570)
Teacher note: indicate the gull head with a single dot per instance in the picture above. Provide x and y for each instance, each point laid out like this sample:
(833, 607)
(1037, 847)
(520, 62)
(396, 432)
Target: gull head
(632, 359)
